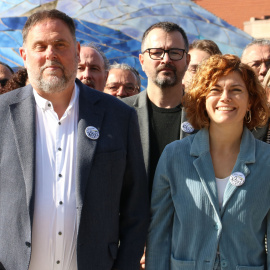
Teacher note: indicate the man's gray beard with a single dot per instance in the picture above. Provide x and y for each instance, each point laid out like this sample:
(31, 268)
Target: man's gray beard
(166, 82)
(53, 85)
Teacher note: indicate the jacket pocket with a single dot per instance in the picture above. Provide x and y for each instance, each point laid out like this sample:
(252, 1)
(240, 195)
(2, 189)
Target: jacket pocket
(113, 248)
(181, 265)
(250, 267)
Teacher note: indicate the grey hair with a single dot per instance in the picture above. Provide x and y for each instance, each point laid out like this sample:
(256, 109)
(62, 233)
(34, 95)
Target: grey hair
(125, 66)
(102, 54)
(259, 42)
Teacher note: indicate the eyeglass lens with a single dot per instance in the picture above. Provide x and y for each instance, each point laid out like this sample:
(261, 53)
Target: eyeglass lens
(158, 53)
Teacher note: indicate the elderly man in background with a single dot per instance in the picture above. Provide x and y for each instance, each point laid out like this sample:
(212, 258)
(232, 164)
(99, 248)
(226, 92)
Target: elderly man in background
(199, 51)
(73, 192)
(123, 81)
(257, 56)
(93, 67)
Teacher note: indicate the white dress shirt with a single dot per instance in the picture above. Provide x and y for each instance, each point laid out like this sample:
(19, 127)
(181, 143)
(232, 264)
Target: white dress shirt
(54, 234)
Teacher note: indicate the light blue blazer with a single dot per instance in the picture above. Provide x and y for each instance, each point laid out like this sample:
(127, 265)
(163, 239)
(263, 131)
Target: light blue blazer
(187, 225)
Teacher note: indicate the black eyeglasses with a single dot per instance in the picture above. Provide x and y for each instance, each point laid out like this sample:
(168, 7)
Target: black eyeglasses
(158, 53)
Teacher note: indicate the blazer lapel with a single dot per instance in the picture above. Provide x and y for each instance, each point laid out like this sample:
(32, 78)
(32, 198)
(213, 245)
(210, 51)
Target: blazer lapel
(204, 166)
(23, 119)
(90, 114)
(245, 156)
(141, 106)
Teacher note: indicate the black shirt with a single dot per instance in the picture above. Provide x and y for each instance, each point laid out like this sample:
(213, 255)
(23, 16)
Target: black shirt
(164, 128)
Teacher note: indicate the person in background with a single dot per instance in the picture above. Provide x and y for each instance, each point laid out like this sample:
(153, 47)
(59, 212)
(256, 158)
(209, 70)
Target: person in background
(18, 79)
(199, 51)
(73, 191)
(123, 81)
(263, 133)
(257, 56)
(93, 66)
(5, 74)
(210, 206)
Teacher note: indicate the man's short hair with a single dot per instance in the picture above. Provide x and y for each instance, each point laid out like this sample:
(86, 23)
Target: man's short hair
(48, 14)
(205, 45)
(7, 66)
(167, 27)
(125, 66)
(258, 42)
(102, 54)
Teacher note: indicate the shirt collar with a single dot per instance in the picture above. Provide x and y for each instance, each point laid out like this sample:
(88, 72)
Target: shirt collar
(45, 104)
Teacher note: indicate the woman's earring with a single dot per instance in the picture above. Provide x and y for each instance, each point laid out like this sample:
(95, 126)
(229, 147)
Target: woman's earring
(248, 117)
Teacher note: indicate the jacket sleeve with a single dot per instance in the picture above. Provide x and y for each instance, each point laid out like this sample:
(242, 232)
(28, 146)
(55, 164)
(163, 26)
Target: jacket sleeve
(158, 246)
(134, 204)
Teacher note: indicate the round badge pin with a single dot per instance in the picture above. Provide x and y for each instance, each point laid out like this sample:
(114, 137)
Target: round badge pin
(187, 127)
(237, 179)
(92, 133)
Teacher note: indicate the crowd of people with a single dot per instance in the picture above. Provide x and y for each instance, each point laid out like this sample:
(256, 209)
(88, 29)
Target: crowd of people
(97, 174)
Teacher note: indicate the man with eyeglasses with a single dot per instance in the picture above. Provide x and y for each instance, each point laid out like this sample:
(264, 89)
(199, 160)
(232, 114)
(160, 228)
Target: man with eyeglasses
(164, 59)
(199, 51)
(123, 81)
(257, 56)
(5, 74)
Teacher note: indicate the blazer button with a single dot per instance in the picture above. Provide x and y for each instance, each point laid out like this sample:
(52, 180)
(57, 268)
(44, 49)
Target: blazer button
(28, 244)
(224, 263)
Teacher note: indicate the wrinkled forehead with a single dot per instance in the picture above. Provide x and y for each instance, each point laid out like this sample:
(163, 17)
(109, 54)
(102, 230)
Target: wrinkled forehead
(256, 53)
(91, 56)
(122, 75)
(158, 38)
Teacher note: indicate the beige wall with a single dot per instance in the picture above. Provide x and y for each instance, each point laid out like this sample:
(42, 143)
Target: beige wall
(258, 28)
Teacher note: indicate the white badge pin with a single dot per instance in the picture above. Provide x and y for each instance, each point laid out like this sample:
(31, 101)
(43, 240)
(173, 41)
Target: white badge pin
(187, 127)
(92, 133)
(237, 179)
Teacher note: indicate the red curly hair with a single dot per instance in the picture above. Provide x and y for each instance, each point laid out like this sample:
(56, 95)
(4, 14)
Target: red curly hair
(208, 74)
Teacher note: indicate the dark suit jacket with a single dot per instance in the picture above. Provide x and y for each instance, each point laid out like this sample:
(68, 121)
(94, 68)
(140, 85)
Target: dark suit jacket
(261, 133)
(139, 103)
(111, 191)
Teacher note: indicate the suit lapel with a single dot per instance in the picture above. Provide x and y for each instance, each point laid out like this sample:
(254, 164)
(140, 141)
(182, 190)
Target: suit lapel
(141, 107)
(245, 156)
(90, 114)
(204, 167)
(23, 119)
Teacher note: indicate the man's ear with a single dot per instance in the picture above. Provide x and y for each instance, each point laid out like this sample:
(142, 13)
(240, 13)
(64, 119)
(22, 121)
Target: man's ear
(78, 51)
(141, 58)
(22, 51)
(188, 59)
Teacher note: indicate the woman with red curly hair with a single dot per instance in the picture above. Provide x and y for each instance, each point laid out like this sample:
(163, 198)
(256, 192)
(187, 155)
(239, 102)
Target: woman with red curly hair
(210, 205)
